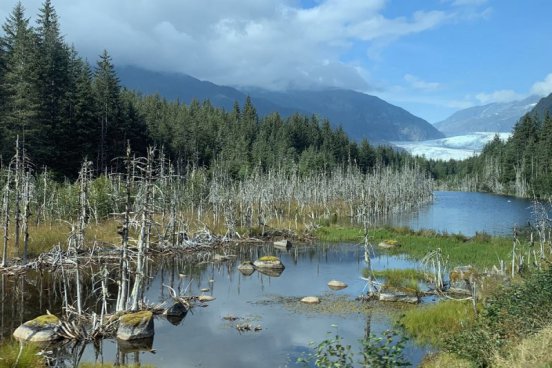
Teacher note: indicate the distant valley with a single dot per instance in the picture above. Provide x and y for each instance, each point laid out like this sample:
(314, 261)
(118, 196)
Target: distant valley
(452, 148)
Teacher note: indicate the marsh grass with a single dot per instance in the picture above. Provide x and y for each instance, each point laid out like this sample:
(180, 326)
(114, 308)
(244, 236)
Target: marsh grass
(10, 351)
(399, 279)
(533, 351)
(480, 251)
(433, 323)
(448, 360)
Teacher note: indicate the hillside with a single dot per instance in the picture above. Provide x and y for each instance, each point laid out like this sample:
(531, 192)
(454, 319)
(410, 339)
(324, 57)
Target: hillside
(360, 115)
(494, 117)
(543, 107)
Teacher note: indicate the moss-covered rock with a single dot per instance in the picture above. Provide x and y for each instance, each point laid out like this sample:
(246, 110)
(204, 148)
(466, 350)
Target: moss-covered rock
(268, 262)
(136, 325)
(41, 329)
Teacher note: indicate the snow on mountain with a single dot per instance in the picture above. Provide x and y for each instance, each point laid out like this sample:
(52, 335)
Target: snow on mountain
(494, 117)
(457, 147)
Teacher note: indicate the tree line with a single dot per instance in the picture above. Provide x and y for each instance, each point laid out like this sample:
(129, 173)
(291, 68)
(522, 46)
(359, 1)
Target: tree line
(521, 165)
(65, 110)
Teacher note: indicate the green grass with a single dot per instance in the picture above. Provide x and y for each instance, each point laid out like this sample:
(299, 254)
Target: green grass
(448, 360)
(480, 251)
(9, 352)
(532, 351)
(44, 320)
(400, 279)
(433, 323)
(134, 319)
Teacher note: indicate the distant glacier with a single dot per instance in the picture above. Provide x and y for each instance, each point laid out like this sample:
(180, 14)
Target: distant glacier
(458, 147)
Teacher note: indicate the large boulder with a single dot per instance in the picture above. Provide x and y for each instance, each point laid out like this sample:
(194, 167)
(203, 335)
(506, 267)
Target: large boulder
(41, 329)
(138, 325)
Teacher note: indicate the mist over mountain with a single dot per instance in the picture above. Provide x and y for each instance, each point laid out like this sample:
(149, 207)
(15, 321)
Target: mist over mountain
(360, 115)
(494, 117)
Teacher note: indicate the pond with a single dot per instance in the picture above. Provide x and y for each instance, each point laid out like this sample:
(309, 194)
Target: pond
(468, 213)
(205, 338)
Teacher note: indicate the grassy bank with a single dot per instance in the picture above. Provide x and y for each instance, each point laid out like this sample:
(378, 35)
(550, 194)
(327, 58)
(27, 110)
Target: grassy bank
(481, 251)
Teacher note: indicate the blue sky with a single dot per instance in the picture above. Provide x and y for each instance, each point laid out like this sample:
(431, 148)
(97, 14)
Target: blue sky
(432, 57)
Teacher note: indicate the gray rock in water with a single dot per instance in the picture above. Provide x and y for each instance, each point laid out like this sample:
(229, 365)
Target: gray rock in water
(246, 268)
(41, 329)
(337, 285)
(137, 325)
(399, 297)
(176, 310)
(310, 300)
(283, 244)
(205, 298)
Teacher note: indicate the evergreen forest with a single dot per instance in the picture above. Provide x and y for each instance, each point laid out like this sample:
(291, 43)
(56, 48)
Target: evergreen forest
(63, 110)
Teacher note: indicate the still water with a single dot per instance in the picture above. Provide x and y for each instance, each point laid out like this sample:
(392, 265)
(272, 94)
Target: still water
(468, 213)
(204, 338)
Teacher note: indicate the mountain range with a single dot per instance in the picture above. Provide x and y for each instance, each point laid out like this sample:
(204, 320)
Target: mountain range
(494, 117)
(360, 115)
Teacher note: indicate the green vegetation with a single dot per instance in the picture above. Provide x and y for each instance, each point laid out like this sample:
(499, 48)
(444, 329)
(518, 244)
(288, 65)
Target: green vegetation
(480, 251)
(432, 323)
(68, 110)
(532, 351)
(269, 259)
(44, 320)
(15, 355)
(384, 351)
(518, 310)
(400, 279)
(448, 360)
(134, 319)
(521, 166)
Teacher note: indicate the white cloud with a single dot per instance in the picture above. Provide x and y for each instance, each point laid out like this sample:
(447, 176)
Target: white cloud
(504, 95)
(267, 43)
(420, 84)
(543, 88)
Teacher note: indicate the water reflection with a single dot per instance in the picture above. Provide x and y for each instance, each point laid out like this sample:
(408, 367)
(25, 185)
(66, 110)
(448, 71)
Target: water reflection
(467, 213)
(204, 337)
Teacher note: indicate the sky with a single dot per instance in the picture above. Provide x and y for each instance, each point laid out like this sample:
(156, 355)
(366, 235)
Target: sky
(431, 57)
